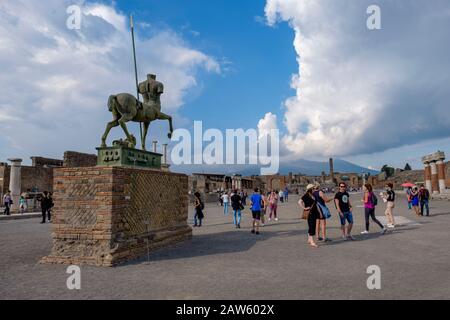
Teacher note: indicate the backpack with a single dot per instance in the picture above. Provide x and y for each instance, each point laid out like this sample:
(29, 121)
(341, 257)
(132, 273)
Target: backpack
(374, 200)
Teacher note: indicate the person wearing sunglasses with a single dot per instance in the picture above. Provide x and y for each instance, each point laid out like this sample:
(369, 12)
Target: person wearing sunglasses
(344, 207)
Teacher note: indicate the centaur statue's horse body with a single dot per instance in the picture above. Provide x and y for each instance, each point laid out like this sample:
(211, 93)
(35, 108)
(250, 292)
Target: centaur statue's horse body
(125, 108)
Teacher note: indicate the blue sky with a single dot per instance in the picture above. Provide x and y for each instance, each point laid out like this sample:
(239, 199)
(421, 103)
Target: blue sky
(258, 61)
(310, 68)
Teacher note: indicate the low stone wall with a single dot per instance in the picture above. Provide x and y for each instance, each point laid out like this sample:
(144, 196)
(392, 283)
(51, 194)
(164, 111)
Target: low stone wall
(105, 216)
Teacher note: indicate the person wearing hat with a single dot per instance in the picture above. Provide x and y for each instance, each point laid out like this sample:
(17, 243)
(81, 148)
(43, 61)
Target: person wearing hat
(309, 204)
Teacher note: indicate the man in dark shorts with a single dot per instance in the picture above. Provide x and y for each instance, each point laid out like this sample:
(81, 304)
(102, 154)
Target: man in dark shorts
(256, 203)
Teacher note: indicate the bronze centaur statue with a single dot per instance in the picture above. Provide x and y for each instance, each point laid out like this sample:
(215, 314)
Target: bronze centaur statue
(125, 108)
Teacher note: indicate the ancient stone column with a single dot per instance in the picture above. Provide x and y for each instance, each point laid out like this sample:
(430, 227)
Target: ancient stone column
(15, 182)
(332, 170)
(165, 153)
(428, 176)
(434, 178)
(155, 146)
(441, 175)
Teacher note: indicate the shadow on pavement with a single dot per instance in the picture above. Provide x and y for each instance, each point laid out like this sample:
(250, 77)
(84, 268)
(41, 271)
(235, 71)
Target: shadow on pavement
(218, 243)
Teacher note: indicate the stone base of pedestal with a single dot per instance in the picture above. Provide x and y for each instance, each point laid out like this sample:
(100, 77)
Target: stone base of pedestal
(105, 216)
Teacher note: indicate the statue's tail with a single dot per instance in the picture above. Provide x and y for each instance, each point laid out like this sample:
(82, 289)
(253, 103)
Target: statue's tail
(111, 102)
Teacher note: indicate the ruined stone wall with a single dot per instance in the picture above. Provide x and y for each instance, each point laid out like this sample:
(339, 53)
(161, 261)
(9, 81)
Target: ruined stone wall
(4, 180)
(105, 216)
(76, 160)
(399, 178)
(46, 162)
(447, 175)
(37, 177)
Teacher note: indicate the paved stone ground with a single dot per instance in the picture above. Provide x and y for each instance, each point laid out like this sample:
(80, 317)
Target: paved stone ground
(222, 263)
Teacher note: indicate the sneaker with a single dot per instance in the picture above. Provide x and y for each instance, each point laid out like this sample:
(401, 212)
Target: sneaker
(328, 240)
(320, 239)
(351, 238)
(253, 231)
(344, 238)
(270, 219)
(365, 232)
(384, 231)
(391, 226)
(276, 219)
(239, 226)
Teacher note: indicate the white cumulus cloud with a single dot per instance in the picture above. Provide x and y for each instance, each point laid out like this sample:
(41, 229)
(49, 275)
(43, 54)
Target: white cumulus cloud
(360, 91)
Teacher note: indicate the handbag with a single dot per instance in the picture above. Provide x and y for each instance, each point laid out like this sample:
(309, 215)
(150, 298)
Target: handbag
(325, 212)
(305, 215)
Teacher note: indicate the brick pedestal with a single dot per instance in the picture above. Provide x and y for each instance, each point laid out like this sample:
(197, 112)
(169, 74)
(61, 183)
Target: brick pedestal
(104, 216)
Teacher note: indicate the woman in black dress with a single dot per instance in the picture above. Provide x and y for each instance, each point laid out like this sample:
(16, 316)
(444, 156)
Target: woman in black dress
(308, 203)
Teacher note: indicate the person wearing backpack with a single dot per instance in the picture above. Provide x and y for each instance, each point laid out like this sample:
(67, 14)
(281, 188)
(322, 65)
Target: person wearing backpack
(370, 202)
(198, 207)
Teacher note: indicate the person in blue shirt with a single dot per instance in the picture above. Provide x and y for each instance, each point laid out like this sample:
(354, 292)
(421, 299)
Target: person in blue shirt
(256, 207)
(286, 194)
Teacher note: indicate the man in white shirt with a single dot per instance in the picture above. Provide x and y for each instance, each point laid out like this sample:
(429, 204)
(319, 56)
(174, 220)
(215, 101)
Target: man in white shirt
(226, 201)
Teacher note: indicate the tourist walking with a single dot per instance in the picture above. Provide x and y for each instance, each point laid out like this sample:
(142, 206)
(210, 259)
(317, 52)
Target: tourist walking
(7, 201)
(310, 213)
(22, 205)
(236, 204)
(226, 201)
(286, 194)
(198, 210)
(244, 198)
(281, 196)
(45, 207)
(256, 207)
(220, 202)
(409, 197)
(424, 198)
(266, 204)
(415, 200)
(389, 198)
(370, 202)
(324, 213)
(345, 209)
(273, 204)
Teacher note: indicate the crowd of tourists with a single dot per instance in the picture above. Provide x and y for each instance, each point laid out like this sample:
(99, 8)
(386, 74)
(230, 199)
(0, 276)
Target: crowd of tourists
(46, 201)
(314, 204)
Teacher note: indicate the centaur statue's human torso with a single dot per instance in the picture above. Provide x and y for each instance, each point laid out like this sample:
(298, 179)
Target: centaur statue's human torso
(125, 108)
